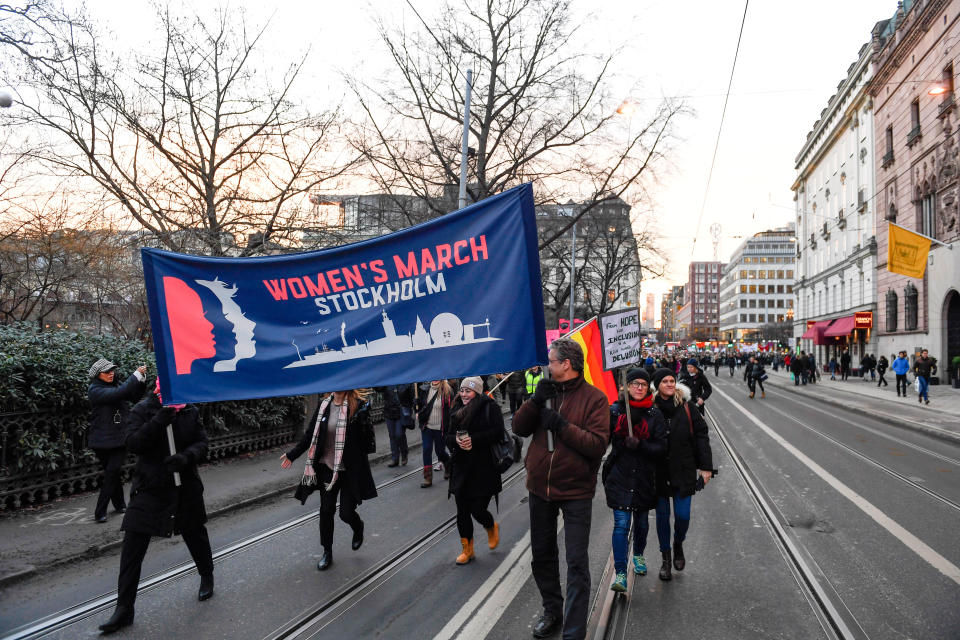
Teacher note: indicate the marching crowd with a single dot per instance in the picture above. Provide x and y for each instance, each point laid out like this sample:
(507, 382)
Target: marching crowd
(659, 457)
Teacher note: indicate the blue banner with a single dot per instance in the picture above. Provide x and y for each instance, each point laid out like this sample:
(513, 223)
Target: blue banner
(459, 295)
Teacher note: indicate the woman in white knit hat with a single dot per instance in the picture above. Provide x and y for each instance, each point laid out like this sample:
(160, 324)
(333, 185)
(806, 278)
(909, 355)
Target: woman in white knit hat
(476, 423)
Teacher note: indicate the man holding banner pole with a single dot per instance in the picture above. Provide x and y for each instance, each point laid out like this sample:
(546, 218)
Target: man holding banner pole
(563, 480)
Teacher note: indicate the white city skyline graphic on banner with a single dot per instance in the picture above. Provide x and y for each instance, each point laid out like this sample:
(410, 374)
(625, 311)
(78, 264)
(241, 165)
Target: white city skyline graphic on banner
(446, 330)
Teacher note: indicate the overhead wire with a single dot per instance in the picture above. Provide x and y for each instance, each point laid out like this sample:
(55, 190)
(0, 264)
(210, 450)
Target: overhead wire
(723, 115)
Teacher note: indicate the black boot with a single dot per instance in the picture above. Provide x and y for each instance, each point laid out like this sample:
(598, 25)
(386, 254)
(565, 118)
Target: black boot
(206, 588)
(357, 537)
(393, 463)
(326, 560)
(547, 625)
(122, 617)
(665, 573)
(679, 562)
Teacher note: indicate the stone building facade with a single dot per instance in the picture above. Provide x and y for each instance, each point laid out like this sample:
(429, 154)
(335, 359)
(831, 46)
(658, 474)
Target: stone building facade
(916, 55)
(836, 244)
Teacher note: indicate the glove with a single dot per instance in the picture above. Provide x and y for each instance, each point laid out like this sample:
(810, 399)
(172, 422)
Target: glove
(417, 404)
(552, 420)
(167, 414)
(546, 390)
(631, 442)
(176, 462)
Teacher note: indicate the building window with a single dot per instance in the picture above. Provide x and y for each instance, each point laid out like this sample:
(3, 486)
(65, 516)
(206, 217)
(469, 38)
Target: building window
(888, 156)
(914, 133)
(891, 311)
(927, 207)
(910, 307)
(753, 317)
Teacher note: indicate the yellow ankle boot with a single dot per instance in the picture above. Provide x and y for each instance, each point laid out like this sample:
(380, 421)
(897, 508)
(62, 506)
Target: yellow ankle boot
(467, 554)
(493, 535)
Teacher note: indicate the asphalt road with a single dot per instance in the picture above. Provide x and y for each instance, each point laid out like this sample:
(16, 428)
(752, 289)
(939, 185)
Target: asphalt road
(877, 510)
(874, 508)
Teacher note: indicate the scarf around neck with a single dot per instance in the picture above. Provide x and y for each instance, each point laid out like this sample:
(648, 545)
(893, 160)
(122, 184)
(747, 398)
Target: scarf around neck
(638, 412)
(340, 438)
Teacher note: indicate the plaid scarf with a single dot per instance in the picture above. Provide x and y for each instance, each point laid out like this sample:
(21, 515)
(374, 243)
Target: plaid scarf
(309, 475)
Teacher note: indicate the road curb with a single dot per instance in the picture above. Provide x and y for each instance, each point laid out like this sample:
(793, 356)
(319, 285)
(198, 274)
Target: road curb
(903, 423)
(96, 551)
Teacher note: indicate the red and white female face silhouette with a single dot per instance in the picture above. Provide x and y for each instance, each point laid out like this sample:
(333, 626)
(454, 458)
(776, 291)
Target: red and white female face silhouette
(190, 331)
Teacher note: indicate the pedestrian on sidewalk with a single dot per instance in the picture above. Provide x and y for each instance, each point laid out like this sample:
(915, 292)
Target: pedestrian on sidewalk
(716, 365)
(337, 465)
(845, 364)
(797, 369)
(563, 479)
(873, 367)
(628, 473)
(698, 384)
(476, 423)
(158, 507)
(515, 385)
(398, 414)
(900, 367)
(924, 368)
(812, 371)
(882, 365)
(433, 414)
(833, 368)
(687, 466)
(109, 409)
(732, 362)
(864, 367)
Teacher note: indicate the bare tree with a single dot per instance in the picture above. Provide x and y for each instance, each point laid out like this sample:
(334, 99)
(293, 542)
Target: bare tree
(541, 112)
(192, 141)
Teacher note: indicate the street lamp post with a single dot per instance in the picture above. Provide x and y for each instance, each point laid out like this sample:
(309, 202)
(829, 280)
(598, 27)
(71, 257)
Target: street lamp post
(573, 273)
(462, 199)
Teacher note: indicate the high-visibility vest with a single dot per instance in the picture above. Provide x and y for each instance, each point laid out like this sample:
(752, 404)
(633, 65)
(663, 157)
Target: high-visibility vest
(532, 380)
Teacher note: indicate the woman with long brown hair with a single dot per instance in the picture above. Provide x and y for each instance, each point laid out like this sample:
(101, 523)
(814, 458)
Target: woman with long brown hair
(433, 414)
(337, 446)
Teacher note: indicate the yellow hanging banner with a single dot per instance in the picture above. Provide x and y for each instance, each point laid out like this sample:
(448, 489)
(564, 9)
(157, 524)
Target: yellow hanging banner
(906, 251)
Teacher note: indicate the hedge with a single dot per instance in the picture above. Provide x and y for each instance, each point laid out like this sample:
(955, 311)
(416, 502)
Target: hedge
(47, 372)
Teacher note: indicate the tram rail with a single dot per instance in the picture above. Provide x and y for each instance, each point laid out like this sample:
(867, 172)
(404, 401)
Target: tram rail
(838, 623)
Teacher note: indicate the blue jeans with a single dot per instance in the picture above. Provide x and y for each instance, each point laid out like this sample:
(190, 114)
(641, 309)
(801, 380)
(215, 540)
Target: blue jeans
(432, 439)
(924, 388)
(398, 439)
(681, 516)
(621, 527)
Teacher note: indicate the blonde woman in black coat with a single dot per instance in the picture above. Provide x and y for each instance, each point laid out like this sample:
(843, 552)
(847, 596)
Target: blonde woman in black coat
(476, 424)
(337, 446)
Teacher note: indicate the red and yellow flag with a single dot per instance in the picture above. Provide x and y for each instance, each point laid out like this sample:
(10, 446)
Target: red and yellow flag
(907, 251)
(588, 337)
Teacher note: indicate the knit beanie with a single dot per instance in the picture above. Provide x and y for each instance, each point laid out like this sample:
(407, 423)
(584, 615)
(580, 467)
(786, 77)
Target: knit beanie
(662, 373)
(638, 373)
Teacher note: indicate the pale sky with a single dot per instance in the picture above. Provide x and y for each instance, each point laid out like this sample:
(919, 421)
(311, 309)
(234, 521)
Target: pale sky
(792, 56)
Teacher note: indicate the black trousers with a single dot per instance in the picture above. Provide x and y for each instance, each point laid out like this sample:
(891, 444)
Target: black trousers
(470, 508)
(516, 399)
(328, 506)
(752, 384)
(902, 380)
(546, 560)
(882, 380)
(112, 488)
(135, 548)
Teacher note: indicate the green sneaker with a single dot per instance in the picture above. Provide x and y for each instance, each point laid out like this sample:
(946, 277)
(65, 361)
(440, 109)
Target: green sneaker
(620, 583)
(639, 566)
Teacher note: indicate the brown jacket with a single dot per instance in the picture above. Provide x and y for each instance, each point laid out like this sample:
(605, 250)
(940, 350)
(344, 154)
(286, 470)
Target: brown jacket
(570, 472)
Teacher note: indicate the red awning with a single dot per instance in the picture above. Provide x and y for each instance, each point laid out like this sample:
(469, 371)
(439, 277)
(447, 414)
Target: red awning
(815, 332)
(841, 327)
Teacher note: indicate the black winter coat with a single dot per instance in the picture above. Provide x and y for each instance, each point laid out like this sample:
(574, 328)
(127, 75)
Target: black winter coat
(699, 385)
(472, 473)
(631, 484)
(395, 397)
(158, 507)
(688, 449)
(356, 475)
(109, 408)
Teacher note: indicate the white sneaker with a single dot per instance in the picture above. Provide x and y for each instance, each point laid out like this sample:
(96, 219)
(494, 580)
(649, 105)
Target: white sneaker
(438, 466)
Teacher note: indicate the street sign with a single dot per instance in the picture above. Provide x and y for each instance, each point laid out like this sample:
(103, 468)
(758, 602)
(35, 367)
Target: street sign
(620, 335)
